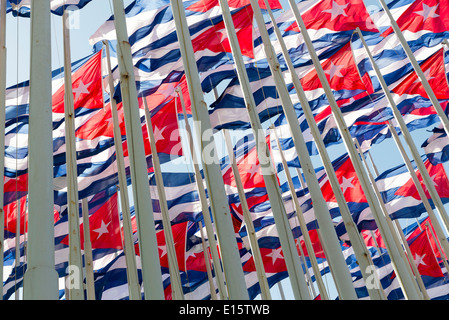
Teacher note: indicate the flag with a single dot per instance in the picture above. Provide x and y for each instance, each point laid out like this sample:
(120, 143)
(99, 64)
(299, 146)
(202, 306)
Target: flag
(104, 223)
(181, 194)
(424, 19)
(436, 146)
(401, 196)
(156, 55)
(435, 73)
(250, 170)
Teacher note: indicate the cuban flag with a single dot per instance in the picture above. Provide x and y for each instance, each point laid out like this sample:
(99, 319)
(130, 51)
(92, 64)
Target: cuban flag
(400, 194)
(436, 146)
(22, 8)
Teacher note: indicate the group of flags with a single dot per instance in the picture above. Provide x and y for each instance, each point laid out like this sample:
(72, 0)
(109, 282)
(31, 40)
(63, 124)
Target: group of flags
(161, 84)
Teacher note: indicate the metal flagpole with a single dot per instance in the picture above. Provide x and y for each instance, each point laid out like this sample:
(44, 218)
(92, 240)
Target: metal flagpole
(302, 223)
(213, 293)
(204, 206)
(88, 259)
(75, 259)
(395, 228)
(41, 278)
(428, 182)
(17, 243)
(151, 269)
(130, 253)
(2, 118)
(360, 250)
(399, 265)
(433, 98)
(254, 245)
(175, 277)
(286, 239)
(340, 270)
(229, 251)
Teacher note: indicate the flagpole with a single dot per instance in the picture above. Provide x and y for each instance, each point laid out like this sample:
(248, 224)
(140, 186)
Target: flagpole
(442, 254)
(175, 277)
(309, 278)
(301, 179)
(360, 250)
(130, 253)
(395, 228)
(2, 120)
(89, 265)
(302, 223)
(254, 244)
(75, 259)
(213, 293)
(425, 83)
(286, 239)
(428, 182)
(412, 261)
(204, 205)
(407, 282)
(17, 243)
(340, 270)
(151, 269)
(229, 251)
(41, 278)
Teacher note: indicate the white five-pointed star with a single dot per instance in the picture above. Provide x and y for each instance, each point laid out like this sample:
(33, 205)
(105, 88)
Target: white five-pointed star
(337, 10)
(253, 170)
(434, 183)
(334, 71)
(103, 229)
(347, 183)
(275, 254)
(428, 12)
(164, 250)
(82, 88)
(158, 134)
(419, 259)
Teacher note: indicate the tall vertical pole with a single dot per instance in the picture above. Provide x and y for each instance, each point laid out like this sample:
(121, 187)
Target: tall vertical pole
(75, 260)
(88, 258)
(339, 269)
(17, 262)
(254, 244)
(175, 277)
(286, 239)
(406, 281)
(302, 223)
(41, 278)
(360, 250)
(425, 83)
(152, 276)
(442, 254)
(204, 205)
(130, 253)
(229, 251)
(2, 120)
(428, 182)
